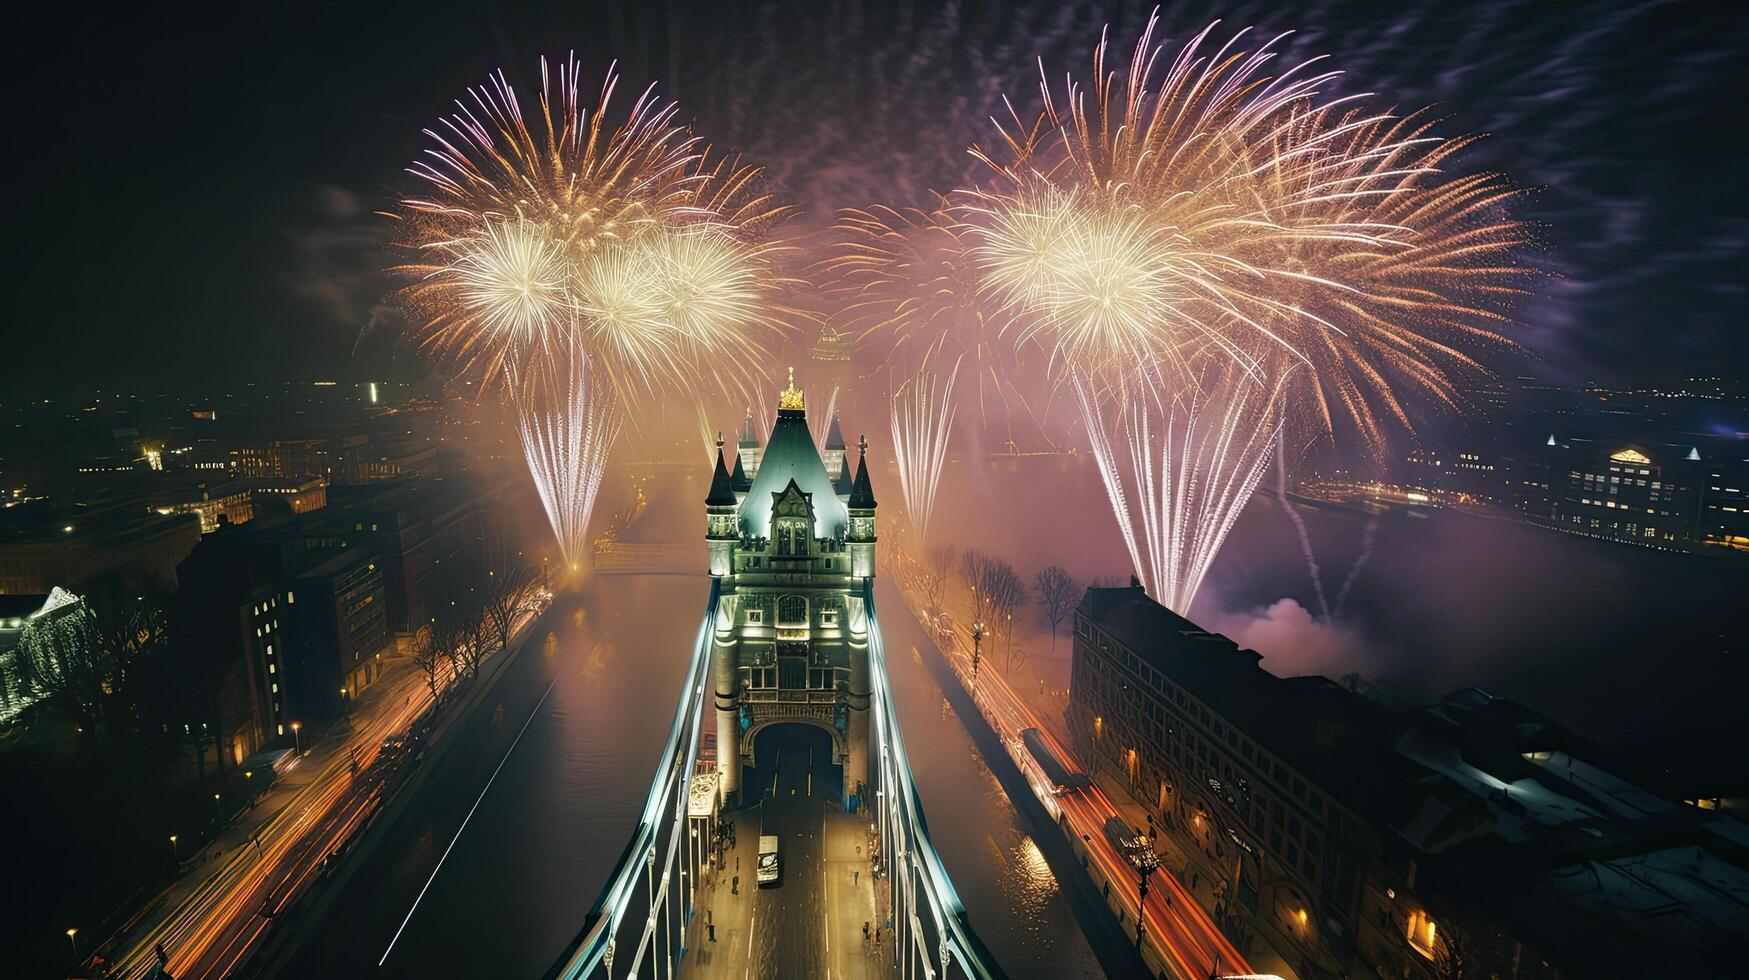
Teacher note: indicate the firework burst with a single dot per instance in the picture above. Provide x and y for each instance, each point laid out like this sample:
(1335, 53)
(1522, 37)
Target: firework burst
(577, 267)
(1209, 253)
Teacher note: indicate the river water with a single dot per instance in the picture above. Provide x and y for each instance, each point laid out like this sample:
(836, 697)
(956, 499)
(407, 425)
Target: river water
(522, 824)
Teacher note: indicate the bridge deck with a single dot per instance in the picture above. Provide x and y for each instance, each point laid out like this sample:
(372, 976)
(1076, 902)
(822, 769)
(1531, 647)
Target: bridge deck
(808, 926)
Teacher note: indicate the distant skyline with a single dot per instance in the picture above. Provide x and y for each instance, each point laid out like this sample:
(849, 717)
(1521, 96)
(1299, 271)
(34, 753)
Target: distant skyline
(203, 204)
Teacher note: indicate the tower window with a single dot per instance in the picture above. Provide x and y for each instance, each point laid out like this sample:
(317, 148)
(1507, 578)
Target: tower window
(792, 610)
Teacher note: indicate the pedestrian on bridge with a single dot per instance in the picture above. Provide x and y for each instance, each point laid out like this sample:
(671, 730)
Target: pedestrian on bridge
(735, 886)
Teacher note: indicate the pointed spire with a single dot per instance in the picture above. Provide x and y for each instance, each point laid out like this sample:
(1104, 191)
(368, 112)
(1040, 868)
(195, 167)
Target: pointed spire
(861, 494)
(834, 436)
(749, 438)
(722, 487)
(739, 479)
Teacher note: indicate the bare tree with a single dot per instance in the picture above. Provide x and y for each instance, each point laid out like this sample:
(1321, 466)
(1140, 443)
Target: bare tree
(1058, 592)
(509, 592)
(937, 569)
(975, 567)
(1004, 593)
(463, 626)
(431, 657)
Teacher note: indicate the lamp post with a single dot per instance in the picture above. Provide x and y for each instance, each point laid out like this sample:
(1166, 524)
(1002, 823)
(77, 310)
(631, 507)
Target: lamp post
(297, 741)
(1145, 861)
(977, 649)
(174, 855)
(73, 937)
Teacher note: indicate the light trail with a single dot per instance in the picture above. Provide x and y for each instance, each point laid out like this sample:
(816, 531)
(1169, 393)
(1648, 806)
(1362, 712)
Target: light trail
(218, 925)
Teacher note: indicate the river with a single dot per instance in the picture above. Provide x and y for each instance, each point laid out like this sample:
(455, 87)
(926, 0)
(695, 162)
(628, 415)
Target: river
(495, 868)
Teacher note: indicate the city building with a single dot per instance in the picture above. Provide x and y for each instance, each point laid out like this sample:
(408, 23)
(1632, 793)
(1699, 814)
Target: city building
(1723, 517)
(49, 543)
(1634, 494)
(302, 494)
(295, 459)
(290, 626)
(419, 530)
(229, 502)
(791, 556)
(343, 616)
(1365, 839)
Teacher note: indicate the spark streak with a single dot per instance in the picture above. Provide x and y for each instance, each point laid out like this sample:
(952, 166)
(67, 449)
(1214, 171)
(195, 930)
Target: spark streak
(567, 428)
(922, 417)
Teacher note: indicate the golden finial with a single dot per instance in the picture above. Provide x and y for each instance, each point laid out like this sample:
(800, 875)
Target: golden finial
(790, 399)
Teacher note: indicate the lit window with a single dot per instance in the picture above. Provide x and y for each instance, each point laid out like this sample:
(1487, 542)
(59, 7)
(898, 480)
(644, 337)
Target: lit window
(1423, 935)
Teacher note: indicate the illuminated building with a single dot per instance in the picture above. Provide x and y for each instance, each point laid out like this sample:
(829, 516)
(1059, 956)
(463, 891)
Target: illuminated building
(1366, 839)
(214, 504)
(1724, 504)
(789, 553)
(1633, 494)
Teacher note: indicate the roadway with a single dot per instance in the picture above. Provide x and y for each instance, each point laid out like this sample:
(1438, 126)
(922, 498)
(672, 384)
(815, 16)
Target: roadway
(207, 924)
(809, 924)
(1178, 925)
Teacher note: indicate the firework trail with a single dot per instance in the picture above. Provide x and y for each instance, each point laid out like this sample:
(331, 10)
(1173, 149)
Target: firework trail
(567, 428)
(1367, 536)
(1210, 254)
(823, 431)
(1179, 467)
(1293, 515)
(922, 417)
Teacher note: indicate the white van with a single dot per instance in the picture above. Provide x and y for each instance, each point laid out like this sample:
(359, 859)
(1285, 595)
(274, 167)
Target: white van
(769, 869)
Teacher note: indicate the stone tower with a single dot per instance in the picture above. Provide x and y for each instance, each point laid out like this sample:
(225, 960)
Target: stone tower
(793, 551)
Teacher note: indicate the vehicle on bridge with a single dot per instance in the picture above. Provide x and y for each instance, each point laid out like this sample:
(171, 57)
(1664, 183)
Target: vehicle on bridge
(770, 871)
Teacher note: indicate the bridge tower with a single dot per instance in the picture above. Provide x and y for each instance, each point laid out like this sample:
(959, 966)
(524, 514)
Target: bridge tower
(792, 548)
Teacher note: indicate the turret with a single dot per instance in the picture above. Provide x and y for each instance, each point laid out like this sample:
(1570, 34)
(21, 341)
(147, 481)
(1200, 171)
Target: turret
(720, 508)
(747, 448)
(833, 454)
(861, 536)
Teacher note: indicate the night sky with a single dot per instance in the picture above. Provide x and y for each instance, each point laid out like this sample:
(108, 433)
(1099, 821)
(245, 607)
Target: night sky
(199, 185)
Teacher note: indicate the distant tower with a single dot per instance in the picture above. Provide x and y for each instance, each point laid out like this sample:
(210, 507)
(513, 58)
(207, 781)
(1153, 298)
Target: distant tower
(829, 368)
(833, 457)
(792, 550)
(747, 448)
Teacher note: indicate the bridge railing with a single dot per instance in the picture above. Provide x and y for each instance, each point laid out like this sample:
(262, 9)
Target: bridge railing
(637, 927)
(930, 926)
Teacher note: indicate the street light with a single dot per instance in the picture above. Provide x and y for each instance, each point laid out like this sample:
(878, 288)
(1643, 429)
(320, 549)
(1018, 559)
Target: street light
(73, 937)
(1145, 861)
(174, 856)
(298, 726)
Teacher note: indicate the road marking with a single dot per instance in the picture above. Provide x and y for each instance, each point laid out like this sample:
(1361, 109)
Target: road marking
(464, 826)
(750, 933)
